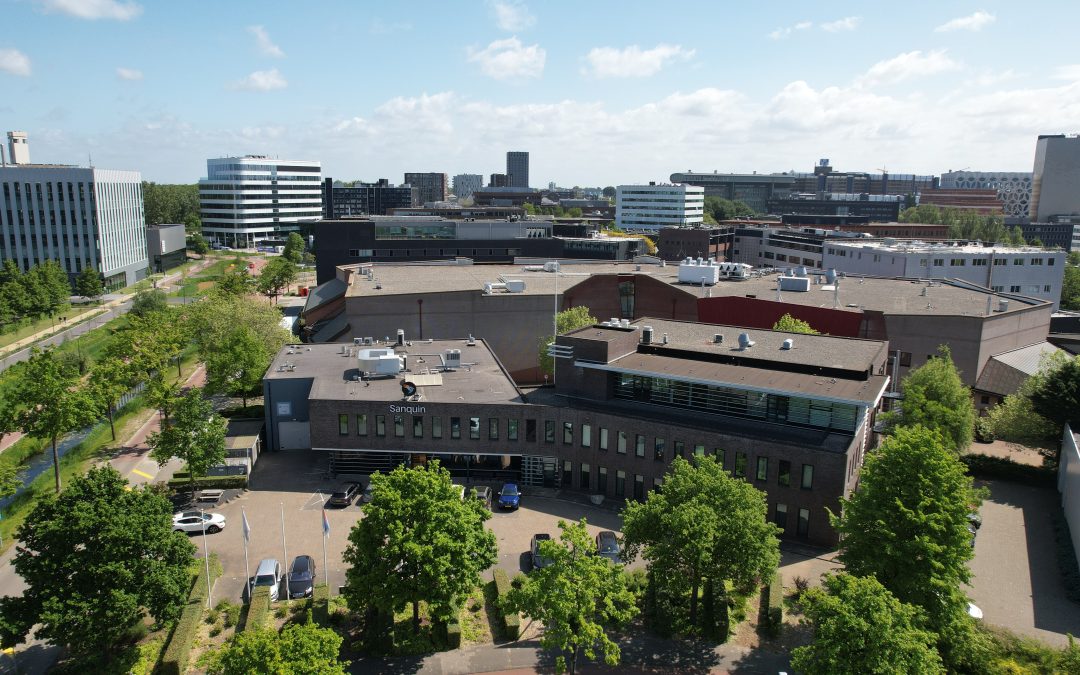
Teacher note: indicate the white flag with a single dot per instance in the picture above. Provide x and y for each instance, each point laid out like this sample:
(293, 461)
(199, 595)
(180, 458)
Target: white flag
(247, 527)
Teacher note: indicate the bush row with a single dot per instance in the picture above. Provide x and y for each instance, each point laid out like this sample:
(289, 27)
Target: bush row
(985, 466)
(175, 659)
(258, 609)
(510, 621)
(1066, 554)
(772, 605)
(181, 482)
(321, 605)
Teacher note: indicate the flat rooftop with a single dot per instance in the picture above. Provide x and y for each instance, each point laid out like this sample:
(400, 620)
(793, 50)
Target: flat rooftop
(942, 297)
(335, 374)
(914, 246)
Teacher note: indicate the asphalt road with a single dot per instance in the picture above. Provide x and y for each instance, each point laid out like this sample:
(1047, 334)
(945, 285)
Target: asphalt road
(65, 335)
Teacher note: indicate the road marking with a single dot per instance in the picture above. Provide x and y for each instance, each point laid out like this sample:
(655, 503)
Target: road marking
(142, 473)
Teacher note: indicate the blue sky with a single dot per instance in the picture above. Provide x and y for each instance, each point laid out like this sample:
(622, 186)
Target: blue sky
(599, 92)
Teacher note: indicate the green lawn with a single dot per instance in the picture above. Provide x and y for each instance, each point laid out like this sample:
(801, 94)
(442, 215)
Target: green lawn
(26, 330)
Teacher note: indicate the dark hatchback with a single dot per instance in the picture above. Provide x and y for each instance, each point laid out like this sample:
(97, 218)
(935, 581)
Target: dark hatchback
(345, 495)
(301, 577)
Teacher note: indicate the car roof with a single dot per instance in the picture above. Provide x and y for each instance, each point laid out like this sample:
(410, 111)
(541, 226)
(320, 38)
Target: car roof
(303, 560)
(608, 534)
(542, 535)
(266, 566)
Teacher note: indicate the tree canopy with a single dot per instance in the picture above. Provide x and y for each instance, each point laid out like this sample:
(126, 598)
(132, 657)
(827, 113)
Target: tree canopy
(198, 244)
(963, 224)
(704, 525)
(859, 627)
(1056, 393)
(935, 397)
(96, 559)
(1019, 420)
(238, 368)
(418, 541)
(577, 597)
(718, 209)
(790, 324)
(299, 649)
(907, 525)
(1070, 288)
(195, 434)
(276, 276)
(149, 301)
(164, 203)
(41, 291)
(565, 321)
(88, 283)
(294, 248)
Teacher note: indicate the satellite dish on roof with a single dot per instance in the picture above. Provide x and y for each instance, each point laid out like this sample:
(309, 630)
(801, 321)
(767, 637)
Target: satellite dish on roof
(408, 388)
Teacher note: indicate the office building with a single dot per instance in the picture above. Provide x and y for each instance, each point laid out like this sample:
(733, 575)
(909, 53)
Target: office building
(879, 208)
(76, 216)
(1013, 188)
(458, 212)
(653, 207)
(983, 202)
(497, 180)
(1055, 181)
(364, 199)
(678, 243)
(517, 169)
(1060, 232)
(825, 179)
(1025, 270)
(430, 187)
(247, 199)
(507, 196)
(166, 246)
(465, 184)
(754, 190)
(18, 147)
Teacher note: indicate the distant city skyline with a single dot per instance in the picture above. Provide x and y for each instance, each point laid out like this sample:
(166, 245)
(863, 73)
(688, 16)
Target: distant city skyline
(598, 94)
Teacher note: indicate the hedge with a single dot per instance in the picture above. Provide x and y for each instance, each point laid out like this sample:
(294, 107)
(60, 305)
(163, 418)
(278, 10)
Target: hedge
(180, 482)
(985, 466)
(450, 631)
(175, 659)
(1066, 555)
(258, 609)
(772, 605)
(321, 605)
(511, 621)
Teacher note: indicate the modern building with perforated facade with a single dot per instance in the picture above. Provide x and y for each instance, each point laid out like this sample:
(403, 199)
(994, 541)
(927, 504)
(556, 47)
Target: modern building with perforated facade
(1013, 187)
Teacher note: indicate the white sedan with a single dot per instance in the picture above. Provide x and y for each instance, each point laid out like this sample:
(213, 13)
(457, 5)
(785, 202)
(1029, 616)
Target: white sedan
(197, 521)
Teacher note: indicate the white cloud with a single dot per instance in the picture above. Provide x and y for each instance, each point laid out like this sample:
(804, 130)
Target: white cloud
(512, 15)
(94, 9)
(908, 65)
(128, 74)
(847, 23)
(262, 80)
(14, 62)
(509, 58)
(633, 61)
(1070, 72)
(266, 45)
(782, 33)
(973, 22)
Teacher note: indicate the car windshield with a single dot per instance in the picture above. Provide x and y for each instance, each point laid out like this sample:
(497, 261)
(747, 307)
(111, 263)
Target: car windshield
(509, 492)
(608, 545)
(265, 580)
(300, 567)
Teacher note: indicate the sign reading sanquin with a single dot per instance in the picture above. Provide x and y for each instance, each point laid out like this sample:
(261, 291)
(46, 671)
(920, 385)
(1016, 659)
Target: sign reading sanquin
(411, 409)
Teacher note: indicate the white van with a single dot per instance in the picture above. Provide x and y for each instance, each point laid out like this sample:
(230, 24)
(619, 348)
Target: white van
(268, 574)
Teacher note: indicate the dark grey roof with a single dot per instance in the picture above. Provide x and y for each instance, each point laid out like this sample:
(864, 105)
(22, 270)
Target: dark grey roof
(1004, 373)
(324, 293)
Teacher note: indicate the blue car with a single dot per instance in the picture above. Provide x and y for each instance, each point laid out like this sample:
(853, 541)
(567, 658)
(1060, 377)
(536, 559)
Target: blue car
(509, 497)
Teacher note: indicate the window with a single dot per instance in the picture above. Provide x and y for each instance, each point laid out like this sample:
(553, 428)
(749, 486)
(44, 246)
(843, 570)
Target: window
(740, 464)
(620, 483)
(807, 476)
(567, 473)
(1046, 288)
(1014, 289)
(601, 480)
(380, 425)
(783, 473)
(957, 262)
(399, 426)
(762, 468)
(586, 435)
(1018, 261)
(922, 262)
(568, 433)
(361, 424)
(905, 359)
(343, 424)
(455, 427)
(659, 450)
(781, 516)
(639, 487)
(474, 428)
(436, 427)
(639, 445)
(699, 450)
(549, 431)
(585, 482)
(621, 449)
(511, 430)
(493, 428)
(939, 262)
(985, 400)
(804, 522)
(1050, 262)
(680, 449)
(417, 427)
(1000, 261)
(603, 438)
(530, 431)
(978, 262)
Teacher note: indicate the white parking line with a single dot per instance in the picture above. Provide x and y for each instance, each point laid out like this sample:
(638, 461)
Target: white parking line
(316, 496)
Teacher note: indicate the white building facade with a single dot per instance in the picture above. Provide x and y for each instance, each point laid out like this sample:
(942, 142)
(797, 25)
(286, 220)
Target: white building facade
(653, 207)
(79, 217)
(467, 183)
(1025, 270)
(1013, 187)
(247, 199)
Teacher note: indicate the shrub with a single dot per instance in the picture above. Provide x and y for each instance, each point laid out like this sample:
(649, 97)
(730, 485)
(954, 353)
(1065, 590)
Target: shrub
(453, 634)
(984, 466)
(180, 482)
(258, 609)
(321, 605)
(511, 621)
(175, 659)
(772, 606)
(1066, 555)
(230, 613)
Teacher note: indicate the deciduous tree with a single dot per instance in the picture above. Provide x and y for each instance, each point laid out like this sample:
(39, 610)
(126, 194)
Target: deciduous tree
(417, 542)
(108, 382)
(275, 277)
(565, 321)
(293, 250)
(299, 649)
(238, 368)
(198, 244)
(859, 627)
(96, 559)
(578, 596)
(907, 525)
(1056, 393)
(936, 398)
(148, 302)
(705, 525)
(790, 324)
(88, 283)
(195, 434)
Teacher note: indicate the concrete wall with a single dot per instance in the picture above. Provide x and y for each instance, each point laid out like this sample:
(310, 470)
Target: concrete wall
(1069, 484)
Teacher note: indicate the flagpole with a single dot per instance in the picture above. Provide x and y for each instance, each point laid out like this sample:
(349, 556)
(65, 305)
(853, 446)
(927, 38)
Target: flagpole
(284, 549)
(326, 533)
(206, 556)
(246, 529)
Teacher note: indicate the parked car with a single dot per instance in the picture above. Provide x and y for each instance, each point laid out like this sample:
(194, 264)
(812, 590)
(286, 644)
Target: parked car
(344, 495)
(268, 574)
(301, 576)
(197, 521)
(607, 546)
(483, 493)
(368, 494)
(539, 561)
(509, 497)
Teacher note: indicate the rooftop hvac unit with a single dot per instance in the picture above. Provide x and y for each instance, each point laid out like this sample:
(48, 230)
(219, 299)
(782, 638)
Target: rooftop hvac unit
(717, 338)
(515, 285)
(646, 335)
(830, 276)
(797, 284)
(356, 341)
(378, 362)
(492, 286)
(369, 341)
(452, 357)
(744, 341)
(1003, 305)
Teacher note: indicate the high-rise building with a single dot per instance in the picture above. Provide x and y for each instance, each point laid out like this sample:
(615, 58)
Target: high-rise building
(18, 147)
(652, 206)
(1055, 183)
(79, 217)
(430, 187)
(498, 180)
(246, 199)
(467, 183)
(517, 169)
(364, 199)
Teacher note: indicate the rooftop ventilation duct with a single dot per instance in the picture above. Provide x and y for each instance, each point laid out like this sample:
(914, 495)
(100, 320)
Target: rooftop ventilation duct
(744, 341)
(400, 337)
(646, 335)
(830, 275)
(717, 338)
(788, 344)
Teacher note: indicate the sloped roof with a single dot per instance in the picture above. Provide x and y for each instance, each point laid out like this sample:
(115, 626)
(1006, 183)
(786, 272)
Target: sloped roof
(1004, 373)
(324, 293)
